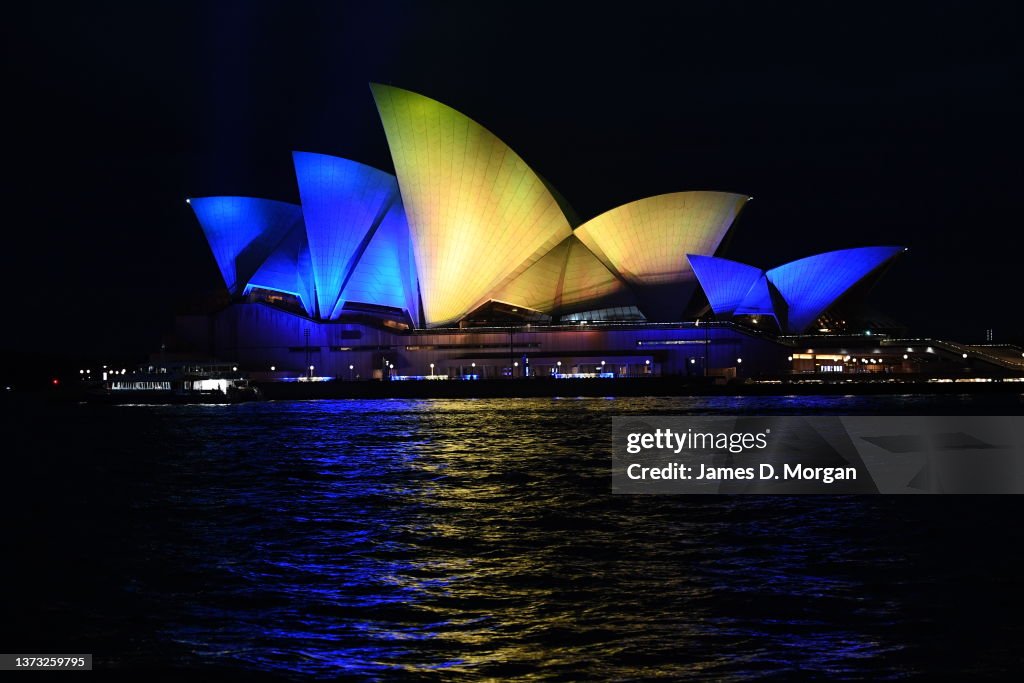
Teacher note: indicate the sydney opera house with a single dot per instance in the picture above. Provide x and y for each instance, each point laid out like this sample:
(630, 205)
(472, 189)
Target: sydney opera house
(467, 263)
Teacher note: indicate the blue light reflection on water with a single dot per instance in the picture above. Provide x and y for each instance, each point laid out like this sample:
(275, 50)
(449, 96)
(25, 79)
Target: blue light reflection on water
(394, 538)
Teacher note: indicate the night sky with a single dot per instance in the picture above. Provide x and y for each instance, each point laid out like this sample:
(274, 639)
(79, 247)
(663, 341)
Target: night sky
(850, 124)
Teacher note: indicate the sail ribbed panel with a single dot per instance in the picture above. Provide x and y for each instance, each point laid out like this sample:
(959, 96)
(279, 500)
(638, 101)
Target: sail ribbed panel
(758, 300)
(289, 269)
(343, 202)
(646, 242)
(385, 274)
(726, 283)
(243, 232)
(478, 215)
(567, 278)
(811, 285)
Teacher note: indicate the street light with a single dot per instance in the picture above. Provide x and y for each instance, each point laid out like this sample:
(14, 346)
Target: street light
(350, 369)
(273, 368)
(234, 368)
(739, 360)
(431, 369)
(965, 356)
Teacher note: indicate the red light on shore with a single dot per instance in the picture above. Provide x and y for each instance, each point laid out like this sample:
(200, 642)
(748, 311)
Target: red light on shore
(56, 381)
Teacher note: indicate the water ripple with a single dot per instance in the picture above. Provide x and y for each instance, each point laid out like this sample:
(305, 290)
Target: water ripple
(425, 539)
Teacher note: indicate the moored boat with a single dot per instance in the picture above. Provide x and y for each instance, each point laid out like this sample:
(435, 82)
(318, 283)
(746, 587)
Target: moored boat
(177, 383)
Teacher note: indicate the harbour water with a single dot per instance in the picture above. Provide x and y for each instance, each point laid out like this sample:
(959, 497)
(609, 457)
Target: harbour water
(425, 539)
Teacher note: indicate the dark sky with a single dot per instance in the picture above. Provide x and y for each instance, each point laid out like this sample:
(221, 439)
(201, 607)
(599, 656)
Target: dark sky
(851, 124)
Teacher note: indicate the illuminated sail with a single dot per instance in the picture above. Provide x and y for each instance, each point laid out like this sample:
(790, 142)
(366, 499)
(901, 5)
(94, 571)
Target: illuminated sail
(478, 215)
(646, 242)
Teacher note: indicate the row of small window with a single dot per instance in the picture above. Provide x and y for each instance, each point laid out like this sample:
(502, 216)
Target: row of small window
(425, 347)
(140, 386)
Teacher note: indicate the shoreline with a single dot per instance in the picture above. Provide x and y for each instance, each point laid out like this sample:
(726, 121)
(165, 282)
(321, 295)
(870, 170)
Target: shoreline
(636, 387)
(628, 387)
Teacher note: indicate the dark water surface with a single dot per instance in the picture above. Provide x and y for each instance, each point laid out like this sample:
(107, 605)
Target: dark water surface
(478, 538)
